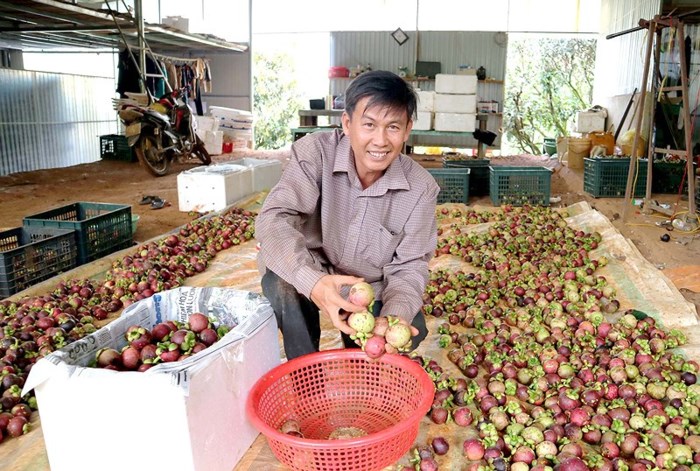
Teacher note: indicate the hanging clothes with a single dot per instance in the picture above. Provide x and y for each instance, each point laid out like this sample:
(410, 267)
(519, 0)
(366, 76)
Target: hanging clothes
(172, 75)
(128, 75)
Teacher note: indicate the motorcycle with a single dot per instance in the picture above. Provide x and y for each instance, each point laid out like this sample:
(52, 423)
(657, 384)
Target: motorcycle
(162, 131)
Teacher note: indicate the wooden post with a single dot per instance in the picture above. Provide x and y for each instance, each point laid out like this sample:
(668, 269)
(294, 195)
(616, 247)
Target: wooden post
(686, 123)
(629, 193)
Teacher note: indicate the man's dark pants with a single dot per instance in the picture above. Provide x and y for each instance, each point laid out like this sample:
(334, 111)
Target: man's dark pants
(299, 320)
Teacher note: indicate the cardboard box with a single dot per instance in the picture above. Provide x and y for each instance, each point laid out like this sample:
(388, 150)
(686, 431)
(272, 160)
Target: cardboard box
(424, 121)
(426, 99)
(455, 122)
(590, 121)
(264, 173)
(213, 188)
(187, 415)
(466, 71)
(454, 83)
(450, 103)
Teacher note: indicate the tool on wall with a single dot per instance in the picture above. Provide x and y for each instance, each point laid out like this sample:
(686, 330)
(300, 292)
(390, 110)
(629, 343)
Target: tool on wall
(655, 29)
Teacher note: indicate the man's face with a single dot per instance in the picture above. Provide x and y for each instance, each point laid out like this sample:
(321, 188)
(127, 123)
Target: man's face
(377, 136)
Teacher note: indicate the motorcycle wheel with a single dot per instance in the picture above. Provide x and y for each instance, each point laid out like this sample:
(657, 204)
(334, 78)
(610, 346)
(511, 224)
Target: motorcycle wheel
(156, 162)
(201, 153)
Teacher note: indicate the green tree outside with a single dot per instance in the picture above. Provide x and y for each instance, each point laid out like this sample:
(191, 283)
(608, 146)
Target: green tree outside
(548, 81)
(276, 102)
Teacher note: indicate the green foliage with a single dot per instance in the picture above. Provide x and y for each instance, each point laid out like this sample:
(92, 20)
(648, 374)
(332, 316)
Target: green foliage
(275, 100)
(548, 81)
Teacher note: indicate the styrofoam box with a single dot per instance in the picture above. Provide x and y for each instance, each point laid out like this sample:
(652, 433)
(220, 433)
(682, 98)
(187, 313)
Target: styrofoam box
(214, 142)
(453, 83)
(456, 122)
(452, 103)
(187, 415)
(213, 188)
(590, 121)
(426, 98)
(204, 124)
(424, 121)
(265, 173)
(177, 22)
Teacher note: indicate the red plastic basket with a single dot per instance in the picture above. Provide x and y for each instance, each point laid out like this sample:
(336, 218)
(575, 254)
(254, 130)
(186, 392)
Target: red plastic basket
(341, 388)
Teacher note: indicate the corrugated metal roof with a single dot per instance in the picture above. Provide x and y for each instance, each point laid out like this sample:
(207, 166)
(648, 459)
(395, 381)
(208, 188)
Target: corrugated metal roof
(46, 24)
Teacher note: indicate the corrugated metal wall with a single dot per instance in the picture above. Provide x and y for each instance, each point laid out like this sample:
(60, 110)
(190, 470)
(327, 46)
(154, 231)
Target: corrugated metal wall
(52, 120)
(620, 61)
(230, 80)
(450, 48)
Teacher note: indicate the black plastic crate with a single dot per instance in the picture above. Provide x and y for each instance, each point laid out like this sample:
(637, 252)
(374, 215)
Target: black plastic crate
(29, 255)
(100, 228)
(607, 178)
(454, 184)
(519, 186)
(697, 195)
(667, 176)
(478, 176)
(116, 147)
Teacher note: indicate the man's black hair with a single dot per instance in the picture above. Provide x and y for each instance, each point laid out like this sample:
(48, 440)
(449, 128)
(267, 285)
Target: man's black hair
(383, 88)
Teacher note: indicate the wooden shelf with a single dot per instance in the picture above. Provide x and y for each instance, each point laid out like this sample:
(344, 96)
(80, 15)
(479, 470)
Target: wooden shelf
(425, 79)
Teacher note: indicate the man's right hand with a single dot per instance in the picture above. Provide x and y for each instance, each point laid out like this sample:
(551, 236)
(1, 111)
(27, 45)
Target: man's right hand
(326, 295)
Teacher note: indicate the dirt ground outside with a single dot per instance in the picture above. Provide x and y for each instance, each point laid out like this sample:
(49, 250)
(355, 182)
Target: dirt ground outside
(28, 193)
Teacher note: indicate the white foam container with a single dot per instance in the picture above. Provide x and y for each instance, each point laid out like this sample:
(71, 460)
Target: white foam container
(426, 99)
(213, 188)
(265, 173)
(453, 103)
(454, 83)
(455, 122)
(424, 121)
(188, 415)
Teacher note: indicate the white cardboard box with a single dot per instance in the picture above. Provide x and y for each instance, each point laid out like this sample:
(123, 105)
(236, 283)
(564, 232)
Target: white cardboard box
(213, 188)
(264, 173)
(188, 415)
(451, 103)
(426, 99)
(456, 122)
(424, 121)
(590, 121)
(453, 83)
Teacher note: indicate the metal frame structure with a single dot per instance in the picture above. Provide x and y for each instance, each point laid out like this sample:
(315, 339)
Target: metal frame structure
(58, 24)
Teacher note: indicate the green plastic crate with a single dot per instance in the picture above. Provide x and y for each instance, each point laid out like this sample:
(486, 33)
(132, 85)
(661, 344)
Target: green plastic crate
(100, 228)
(454, 184)
(520, 185)
(478, 177)
(116, 147)
(29, 255)
(607, 178)
(667, 176)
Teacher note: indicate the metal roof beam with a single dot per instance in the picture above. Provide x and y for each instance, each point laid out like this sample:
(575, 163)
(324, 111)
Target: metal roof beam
(224, 45)
(40, 13)
(75, 9)
(53, 29)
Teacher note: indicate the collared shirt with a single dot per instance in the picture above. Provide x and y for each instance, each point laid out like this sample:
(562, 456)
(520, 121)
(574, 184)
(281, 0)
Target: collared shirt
(318, 220)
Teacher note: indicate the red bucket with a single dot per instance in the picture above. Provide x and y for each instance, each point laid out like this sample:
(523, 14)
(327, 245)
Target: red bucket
(386, 398)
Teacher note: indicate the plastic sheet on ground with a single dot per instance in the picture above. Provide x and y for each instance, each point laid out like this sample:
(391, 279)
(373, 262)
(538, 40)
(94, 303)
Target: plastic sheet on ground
(639, 284)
